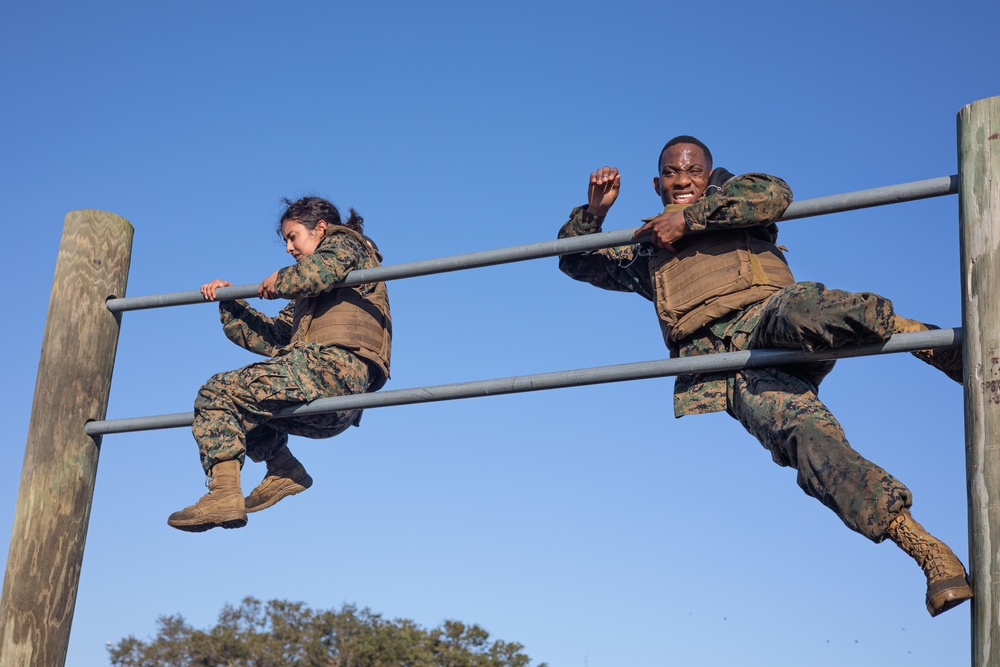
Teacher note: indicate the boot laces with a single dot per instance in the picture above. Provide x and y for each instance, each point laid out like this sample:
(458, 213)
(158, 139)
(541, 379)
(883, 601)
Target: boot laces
(930, 554)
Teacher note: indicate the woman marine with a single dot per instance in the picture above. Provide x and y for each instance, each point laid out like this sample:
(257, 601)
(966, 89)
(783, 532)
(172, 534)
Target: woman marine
(330, 340)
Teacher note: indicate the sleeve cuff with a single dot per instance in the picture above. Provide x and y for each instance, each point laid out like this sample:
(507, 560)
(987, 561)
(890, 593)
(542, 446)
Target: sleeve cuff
(585, 221)
(694, 218)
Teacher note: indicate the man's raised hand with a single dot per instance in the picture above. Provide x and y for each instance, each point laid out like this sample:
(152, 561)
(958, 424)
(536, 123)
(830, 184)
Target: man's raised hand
(603, 190)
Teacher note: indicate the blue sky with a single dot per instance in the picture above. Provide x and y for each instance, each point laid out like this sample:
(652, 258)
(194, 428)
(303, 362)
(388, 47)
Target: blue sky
(587, 524)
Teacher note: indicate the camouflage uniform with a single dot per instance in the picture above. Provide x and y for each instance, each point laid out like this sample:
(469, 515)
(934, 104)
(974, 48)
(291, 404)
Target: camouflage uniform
(234, 411)
(779, 406)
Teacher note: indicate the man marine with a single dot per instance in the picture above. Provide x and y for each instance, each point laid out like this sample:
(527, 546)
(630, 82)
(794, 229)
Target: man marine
(710, 265)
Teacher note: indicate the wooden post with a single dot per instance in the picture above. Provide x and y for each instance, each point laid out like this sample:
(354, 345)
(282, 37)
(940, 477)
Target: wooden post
(60, 460)
(979, 225)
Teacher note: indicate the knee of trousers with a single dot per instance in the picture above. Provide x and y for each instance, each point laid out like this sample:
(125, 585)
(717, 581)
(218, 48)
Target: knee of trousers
(805, 443)
(214, 391)
(816, 317)
(263, 442)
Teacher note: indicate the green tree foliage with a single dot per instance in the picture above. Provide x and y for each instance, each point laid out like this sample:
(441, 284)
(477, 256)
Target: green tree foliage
(285, 634)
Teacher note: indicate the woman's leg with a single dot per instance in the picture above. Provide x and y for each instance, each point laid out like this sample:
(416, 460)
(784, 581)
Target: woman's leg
(233, 411)
(333, 372)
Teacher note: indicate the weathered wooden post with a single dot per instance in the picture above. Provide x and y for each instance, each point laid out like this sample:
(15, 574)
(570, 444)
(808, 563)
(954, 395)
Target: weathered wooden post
(60, 460)
(979, 223)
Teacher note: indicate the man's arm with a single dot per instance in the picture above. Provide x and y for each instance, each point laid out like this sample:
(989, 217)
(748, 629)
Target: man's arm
(617, 269)
(750, 200)
(608, 268)
(745, 201)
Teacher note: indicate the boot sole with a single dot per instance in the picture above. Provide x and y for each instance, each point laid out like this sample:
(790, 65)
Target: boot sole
(290, 489)
(944, 600)
(203, 526)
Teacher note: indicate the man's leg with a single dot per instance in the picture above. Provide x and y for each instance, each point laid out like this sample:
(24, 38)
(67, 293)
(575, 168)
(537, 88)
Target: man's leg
(810, 317)
(784, 413)
(948, 360)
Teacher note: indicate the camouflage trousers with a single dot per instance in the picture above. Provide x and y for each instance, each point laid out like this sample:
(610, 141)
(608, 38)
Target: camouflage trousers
(234, 411)
(781, 408)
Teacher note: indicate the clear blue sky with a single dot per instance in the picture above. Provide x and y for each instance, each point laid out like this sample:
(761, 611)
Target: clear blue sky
(588, 523)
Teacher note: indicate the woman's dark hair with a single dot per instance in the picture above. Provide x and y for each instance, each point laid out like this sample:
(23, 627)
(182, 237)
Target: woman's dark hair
(308, 211)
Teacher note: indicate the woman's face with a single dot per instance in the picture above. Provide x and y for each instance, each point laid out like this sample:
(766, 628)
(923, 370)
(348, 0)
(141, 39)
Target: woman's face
(300, 241)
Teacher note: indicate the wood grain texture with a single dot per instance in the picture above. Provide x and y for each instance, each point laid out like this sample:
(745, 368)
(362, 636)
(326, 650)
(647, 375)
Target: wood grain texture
(60, 460)
(979, 224)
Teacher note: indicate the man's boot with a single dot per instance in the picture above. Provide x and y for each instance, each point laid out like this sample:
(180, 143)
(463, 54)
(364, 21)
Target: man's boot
(285, 477)
(947, 582)
(948, 360)
(221, 506)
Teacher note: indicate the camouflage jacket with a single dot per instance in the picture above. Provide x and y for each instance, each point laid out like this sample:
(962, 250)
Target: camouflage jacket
(335, 257)
(747, 201)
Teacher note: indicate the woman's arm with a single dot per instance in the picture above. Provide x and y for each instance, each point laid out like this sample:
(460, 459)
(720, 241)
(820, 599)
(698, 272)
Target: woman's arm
(253, 330)
(322, 271)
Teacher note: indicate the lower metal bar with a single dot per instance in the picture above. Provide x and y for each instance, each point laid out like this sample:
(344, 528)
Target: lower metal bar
(726, 361)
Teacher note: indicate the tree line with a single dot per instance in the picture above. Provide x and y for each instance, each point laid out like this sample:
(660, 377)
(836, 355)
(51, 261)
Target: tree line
(280, 633)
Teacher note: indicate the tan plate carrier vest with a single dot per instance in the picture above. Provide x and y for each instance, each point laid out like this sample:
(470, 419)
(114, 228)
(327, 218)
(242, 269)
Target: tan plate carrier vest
(712, 276)
(345, 318)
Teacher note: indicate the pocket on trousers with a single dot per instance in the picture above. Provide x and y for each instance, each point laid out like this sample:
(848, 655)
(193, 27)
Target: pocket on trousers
(266, 386)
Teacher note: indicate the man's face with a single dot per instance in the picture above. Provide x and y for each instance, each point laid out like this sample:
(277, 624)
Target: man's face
(684, 172)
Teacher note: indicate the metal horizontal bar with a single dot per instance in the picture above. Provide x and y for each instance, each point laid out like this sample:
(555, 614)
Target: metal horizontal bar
(892, 194)
(726, 361)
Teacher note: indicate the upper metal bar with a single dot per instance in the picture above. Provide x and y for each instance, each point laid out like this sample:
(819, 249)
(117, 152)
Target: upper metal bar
(725, 361)
(891, 194)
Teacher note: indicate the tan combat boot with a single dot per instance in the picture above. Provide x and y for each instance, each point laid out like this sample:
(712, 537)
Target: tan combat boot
(947, 582)
(948, 360)
(285, 477)
(221, 506)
